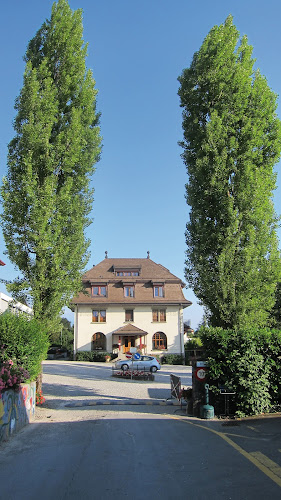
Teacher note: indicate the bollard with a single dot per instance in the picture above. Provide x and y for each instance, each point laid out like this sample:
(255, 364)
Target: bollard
(207, 411)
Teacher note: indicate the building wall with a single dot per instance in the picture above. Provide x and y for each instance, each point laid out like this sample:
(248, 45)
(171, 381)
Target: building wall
(17, 409)
(115, 318)
(15, 307)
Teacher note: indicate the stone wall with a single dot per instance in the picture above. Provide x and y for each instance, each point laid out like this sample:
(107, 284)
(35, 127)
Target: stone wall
(17, 409)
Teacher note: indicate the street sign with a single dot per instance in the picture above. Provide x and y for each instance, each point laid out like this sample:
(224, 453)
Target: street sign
(133, 350)
(200, 373)
(175, 386)
(137, 356)
(128, 355)
(201, 364)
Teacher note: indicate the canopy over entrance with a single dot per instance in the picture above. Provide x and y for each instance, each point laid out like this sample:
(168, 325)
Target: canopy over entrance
(129, 330)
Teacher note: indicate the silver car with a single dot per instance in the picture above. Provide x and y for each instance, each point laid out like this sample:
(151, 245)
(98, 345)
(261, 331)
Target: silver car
(144, 363)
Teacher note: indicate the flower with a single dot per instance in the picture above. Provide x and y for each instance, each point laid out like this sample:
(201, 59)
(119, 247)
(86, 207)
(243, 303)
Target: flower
(11, 375)
(40, 398)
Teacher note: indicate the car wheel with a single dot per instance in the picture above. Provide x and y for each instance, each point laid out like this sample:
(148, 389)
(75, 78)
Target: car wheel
(125, 368)
(153, 369)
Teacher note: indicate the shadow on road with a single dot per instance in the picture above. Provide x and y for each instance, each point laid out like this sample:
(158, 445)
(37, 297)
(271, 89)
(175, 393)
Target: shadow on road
(109, 458)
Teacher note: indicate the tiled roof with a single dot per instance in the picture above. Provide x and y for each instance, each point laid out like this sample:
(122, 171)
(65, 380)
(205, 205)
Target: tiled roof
(150, 274)
(148, 269)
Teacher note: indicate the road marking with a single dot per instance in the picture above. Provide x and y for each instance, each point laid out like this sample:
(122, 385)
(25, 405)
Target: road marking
(99, 402)
(252, 428)
(250, 456)
(241, 436)
(264, 460)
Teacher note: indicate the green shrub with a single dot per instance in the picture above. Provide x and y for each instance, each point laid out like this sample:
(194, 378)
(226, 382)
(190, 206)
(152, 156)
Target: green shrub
(270, 346)
(195, 343)
(25, 341)
(172, 359)
(91, 356)
(191, 348)
(247, 362)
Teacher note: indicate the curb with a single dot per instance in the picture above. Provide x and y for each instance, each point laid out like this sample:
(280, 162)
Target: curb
(109, 402)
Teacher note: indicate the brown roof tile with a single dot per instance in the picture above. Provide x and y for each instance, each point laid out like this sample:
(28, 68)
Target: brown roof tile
(148, 269)
(150, 274)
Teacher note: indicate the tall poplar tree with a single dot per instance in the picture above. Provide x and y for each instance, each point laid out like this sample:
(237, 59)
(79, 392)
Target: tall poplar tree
(46, 194)
(232, 140)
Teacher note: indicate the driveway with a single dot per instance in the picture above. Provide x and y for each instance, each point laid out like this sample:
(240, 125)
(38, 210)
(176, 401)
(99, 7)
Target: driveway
(72, 382)
(134, 451)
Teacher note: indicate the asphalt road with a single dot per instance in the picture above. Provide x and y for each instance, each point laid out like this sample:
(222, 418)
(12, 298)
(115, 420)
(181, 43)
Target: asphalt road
(139, 452)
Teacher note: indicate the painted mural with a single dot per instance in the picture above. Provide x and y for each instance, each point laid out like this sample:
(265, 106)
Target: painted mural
(17, 408)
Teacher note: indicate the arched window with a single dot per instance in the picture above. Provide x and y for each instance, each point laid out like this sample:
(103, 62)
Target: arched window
(159, 341)
(98, 342)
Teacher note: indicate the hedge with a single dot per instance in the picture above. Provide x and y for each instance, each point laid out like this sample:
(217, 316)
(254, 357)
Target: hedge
(25, 341)
(172, 359)
(92, 356)
(246, 362)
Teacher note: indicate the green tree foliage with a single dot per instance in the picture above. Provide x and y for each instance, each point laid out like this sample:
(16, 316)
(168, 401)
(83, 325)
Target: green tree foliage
(232, 140)
(25, 341)
(47, 195)
(64, 335)
(246, 361)
(276, 311)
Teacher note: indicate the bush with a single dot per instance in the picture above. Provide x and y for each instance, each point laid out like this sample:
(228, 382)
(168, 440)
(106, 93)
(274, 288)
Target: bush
(191, 347)
(247, 362)
(11, 374)
(91, 356)
(195, 343)
(172, 359)
(25, 342)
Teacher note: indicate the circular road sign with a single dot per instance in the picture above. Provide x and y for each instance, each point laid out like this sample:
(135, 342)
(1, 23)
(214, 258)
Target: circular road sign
(128, 355)
(137, 356)
(200, 373)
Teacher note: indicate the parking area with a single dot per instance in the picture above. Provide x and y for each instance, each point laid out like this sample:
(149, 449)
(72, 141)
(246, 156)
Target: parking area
(74, 382)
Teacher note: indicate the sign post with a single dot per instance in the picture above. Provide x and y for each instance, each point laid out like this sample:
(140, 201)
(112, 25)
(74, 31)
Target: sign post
(199, 376)
(133, 351)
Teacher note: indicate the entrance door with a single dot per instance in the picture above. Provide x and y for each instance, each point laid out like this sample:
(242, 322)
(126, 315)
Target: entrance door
(128, 342)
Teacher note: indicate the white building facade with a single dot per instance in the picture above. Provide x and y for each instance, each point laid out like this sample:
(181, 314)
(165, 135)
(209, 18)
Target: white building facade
(130, 303)
(8, 303)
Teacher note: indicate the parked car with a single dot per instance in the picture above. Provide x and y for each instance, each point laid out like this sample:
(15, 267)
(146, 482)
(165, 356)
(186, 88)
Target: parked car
(144, 363)
(56, 352)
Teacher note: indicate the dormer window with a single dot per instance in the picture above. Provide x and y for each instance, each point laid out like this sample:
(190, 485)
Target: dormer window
(99, 291)
(129, 291)
(158, 291)
(127, 273)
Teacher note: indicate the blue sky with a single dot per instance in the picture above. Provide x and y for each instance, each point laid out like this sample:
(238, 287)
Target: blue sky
(137, 49)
